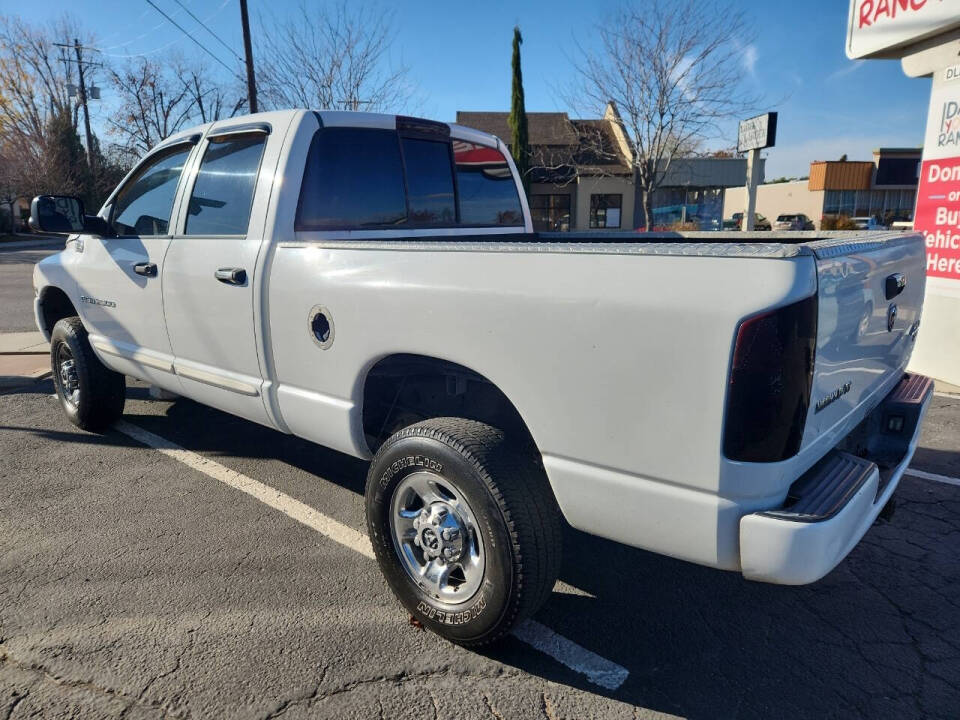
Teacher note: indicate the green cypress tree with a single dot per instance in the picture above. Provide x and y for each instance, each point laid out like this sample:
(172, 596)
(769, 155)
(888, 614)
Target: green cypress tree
(519, 139)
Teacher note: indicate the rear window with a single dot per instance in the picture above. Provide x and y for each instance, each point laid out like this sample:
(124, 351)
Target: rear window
(429, 182)
(361, 178)
(223, 191)
(353, 179)
(488, 193)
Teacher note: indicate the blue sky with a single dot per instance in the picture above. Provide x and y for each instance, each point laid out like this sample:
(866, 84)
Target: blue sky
(459, 58)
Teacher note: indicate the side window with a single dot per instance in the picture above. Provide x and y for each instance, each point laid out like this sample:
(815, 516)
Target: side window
(429, 182)
(144, 205)
(488, 193)
(223, 191)
(353, 179)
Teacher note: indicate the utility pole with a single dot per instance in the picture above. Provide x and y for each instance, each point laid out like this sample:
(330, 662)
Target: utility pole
(248, 51)
(83, 99)
(82, 90)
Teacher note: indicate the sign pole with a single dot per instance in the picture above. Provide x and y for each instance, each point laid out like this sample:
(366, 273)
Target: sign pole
(753, 179)
(753, 135)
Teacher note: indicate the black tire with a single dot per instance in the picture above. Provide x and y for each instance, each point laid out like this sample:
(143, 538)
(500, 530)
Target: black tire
(517, 516)
(92, 396)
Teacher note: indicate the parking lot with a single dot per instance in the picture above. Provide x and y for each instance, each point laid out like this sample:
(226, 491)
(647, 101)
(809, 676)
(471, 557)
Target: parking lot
(191, 564)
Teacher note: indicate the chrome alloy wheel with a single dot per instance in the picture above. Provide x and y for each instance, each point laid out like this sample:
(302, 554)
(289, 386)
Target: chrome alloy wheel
(437, 537)
(67, 377)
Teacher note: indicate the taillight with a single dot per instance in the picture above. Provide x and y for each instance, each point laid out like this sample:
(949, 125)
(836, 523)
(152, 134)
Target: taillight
(770, 381)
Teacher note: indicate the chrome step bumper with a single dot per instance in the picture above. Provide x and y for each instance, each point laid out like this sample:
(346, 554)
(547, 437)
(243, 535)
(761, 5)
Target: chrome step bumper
(830, 508)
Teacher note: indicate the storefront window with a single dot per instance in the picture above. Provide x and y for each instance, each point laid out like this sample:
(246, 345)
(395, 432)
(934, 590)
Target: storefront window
(550, 213)
(605, 211)
(681, 207)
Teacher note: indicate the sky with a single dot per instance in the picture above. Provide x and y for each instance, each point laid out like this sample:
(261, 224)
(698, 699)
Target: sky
(458, 55)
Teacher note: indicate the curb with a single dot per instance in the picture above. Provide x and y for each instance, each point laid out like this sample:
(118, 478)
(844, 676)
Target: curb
(14, 381)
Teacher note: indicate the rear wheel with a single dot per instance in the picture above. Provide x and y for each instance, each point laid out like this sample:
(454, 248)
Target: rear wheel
(92, 396)
(464, 526)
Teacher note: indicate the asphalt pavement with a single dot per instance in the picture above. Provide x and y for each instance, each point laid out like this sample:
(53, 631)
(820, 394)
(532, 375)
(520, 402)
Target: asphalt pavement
(16, 280)
(140, 582)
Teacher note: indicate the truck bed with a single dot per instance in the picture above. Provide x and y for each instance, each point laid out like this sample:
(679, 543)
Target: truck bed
(758, 244)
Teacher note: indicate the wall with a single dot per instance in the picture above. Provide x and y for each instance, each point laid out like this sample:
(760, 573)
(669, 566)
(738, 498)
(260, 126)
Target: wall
(777, 199)
(841, 175)
(616, 185)
(708, 172)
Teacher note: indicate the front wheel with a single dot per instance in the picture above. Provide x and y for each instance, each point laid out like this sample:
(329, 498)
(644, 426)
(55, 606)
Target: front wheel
(92, 395)
(464, 526)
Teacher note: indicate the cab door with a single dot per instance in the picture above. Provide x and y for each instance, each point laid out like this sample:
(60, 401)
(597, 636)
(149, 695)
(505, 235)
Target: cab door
(119, 278)
(210, 274)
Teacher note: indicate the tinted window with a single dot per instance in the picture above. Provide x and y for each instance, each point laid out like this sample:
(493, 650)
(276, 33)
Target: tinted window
(429, 182)
(605, 210)
(223, 191)
(898, 171)
(488, 193)
(143, 207)
(550, 213)
(353, 179)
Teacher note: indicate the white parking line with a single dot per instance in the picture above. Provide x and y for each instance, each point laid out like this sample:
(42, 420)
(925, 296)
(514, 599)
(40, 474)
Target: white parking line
(337, 531)
(598, 670)
(923, 475)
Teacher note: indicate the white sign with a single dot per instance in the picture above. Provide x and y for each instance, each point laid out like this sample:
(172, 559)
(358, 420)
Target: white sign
(876, 27)
(757, 133)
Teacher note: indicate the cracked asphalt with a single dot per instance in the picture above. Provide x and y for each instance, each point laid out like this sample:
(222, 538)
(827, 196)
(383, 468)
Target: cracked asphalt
(133, 586)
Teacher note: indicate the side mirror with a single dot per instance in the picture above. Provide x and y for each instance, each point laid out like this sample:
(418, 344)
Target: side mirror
(64, 215)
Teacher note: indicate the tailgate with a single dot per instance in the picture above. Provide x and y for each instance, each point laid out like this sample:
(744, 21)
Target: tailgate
(870, 299)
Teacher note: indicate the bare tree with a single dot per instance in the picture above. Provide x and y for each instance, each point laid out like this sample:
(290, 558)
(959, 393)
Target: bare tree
(675, 70)
(157, 99)
(153, 105)
(35, 76)
(212, 99)
(331, 57)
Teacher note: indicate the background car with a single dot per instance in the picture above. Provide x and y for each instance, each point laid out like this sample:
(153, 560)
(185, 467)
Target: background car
(796, 221)
(868, 222)
(759, 222)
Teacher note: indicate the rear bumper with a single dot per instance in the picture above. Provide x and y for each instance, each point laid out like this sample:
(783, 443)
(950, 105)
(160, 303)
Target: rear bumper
(832, 507)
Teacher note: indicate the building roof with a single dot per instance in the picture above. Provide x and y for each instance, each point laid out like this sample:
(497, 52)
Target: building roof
(543, 128)
(561, 148)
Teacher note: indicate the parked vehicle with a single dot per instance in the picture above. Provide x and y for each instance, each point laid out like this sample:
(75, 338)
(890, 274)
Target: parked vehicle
(372, 283)
(868, 222)
(759, 221)
(797, 221)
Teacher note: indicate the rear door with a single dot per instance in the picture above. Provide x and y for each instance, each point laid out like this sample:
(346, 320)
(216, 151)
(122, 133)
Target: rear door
(210, 274)
(870, 299)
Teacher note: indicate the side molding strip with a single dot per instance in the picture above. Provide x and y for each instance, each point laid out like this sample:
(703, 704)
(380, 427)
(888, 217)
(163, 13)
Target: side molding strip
(216, 380)
(137, 356)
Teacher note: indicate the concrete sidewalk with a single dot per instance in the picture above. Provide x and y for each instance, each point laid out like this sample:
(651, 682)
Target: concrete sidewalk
(23, 342)
(24, 359)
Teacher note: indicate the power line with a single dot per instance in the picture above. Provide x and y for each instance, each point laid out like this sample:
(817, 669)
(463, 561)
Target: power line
(198, 43)
(204, 26)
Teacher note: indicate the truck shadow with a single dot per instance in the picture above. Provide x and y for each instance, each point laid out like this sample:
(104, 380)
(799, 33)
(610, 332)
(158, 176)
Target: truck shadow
(879, 637)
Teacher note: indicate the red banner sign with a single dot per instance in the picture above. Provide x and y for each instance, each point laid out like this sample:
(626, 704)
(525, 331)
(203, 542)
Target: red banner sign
(938, 216)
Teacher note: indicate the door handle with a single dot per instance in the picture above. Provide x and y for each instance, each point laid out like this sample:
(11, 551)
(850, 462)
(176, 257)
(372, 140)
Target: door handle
(231, 276)
(147, 269)
(894, 285)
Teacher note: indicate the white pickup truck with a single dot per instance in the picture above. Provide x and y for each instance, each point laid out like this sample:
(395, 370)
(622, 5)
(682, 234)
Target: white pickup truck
(373, 283)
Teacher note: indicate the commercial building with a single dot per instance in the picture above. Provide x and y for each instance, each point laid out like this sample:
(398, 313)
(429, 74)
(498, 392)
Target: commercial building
(582, 175)
(582, 170)
(885, 188)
